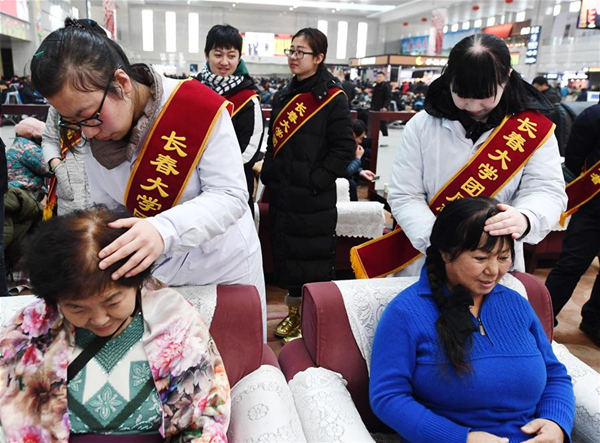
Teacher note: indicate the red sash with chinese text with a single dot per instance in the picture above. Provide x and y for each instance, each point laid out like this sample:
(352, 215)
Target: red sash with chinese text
(295, 114)
(73, 139)
(173, 148)
(500, 158)
(241, 99)
(582, 190)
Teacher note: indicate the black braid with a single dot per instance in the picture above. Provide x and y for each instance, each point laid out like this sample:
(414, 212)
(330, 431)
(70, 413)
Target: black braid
(454, 325)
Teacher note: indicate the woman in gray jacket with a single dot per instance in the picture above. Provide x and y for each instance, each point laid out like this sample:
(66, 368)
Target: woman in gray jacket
(72, 188)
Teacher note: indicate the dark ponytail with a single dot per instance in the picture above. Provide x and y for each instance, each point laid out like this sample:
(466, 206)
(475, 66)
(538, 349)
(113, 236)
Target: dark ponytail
(454, 325)
(457, 229)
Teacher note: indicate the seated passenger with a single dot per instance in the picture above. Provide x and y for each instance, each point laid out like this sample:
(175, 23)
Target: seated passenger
(98, 356)
(458, 357)
(354, 171)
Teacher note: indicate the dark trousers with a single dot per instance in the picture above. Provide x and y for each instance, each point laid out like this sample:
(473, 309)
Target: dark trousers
(580, 245)
(384, 128)
(353, 190)
(250, 183)
(3, 286)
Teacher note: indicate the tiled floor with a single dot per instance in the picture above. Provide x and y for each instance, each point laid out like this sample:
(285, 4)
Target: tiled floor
(567, 332)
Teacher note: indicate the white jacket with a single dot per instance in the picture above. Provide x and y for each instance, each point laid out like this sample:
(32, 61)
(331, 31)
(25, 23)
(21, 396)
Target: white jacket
(209, 237)
(433, 149)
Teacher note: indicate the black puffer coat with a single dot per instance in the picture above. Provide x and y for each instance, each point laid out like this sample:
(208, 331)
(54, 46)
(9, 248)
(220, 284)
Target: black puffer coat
(301, 185)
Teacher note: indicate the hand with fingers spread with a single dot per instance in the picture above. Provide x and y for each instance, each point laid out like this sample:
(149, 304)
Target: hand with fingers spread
(546, 431)
(142, 240)
(485, 437)
(509, 222)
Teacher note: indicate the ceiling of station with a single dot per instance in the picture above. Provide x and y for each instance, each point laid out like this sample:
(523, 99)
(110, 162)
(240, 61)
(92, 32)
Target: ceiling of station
(383, 10)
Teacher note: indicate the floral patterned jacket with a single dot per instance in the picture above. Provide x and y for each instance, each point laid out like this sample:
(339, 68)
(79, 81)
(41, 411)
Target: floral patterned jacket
(36, 347)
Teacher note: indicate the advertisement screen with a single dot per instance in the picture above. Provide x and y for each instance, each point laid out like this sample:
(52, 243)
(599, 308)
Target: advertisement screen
(260, 44)
(15, 8)
(414, 45)
(589, 15)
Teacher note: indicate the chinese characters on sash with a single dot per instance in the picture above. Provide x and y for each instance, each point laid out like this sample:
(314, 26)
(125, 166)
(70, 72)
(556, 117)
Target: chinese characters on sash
(505, 152)
(581, 190)
(165, 165)
(173, 149)
(297, 112)
(494, 163)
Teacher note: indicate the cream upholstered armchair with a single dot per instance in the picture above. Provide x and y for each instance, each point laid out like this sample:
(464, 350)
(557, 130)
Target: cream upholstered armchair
(262, 407)
(328, 368)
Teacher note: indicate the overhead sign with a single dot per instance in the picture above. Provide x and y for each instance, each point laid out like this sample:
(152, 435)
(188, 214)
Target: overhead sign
(533, 44)
(379, 60)
(430, 61)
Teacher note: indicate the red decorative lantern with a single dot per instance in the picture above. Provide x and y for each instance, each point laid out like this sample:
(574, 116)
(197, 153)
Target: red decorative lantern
(508, 1)
(475, 8)
(424, 19)
(405, 24)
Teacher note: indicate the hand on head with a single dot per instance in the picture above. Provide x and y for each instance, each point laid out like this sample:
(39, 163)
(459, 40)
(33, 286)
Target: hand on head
(509, 222)
(142, 240)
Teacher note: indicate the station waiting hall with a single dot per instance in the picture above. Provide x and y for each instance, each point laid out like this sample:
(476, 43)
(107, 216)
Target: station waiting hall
(300, 221)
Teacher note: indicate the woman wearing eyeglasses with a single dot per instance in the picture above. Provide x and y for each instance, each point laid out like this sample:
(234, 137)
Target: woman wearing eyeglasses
(165, 149)
(310, 145)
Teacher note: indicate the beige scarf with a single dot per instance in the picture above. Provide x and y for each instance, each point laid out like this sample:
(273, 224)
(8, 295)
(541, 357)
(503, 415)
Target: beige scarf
(111, 153)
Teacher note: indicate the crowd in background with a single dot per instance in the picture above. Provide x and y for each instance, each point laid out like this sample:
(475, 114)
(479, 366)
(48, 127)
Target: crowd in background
(26, 94)
(406, 95)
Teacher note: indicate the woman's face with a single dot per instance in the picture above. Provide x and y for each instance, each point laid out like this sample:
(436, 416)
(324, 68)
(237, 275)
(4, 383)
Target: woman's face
(478, 109)
(102, 314)
(223, 61)
(116, 113)
(478, 271)
(307, 65)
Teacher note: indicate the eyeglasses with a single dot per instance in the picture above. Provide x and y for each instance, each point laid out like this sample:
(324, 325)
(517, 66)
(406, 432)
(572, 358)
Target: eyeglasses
(296, 53)
(92, 121)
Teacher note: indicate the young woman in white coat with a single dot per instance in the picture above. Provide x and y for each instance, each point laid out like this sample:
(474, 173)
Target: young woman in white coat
(205, 233)
(478, 89)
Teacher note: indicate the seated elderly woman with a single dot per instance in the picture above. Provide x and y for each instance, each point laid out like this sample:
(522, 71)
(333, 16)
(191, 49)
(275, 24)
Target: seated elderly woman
(126, 358)
(458, 357)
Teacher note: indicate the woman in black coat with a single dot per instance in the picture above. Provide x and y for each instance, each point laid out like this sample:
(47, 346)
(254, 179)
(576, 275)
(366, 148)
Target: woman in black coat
(310, 145)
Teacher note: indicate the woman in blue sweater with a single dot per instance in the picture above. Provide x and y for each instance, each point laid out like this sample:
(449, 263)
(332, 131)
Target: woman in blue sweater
(458, 357)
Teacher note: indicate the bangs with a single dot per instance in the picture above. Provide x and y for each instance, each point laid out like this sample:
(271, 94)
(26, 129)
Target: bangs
(471, 236)
(476, 77)
(477, 65)
(489, 243)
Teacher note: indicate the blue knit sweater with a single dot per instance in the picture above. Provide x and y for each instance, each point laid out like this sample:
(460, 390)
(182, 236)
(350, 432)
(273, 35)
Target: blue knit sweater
(516, 377)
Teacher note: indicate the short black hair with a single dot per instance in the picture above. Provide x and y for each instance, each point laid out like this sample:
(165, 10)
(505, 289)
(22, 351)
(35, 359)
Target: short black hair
(347, 76)
(358, 127)
(223, 37)
(381, 72)
(62, 260)
(540, 80)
